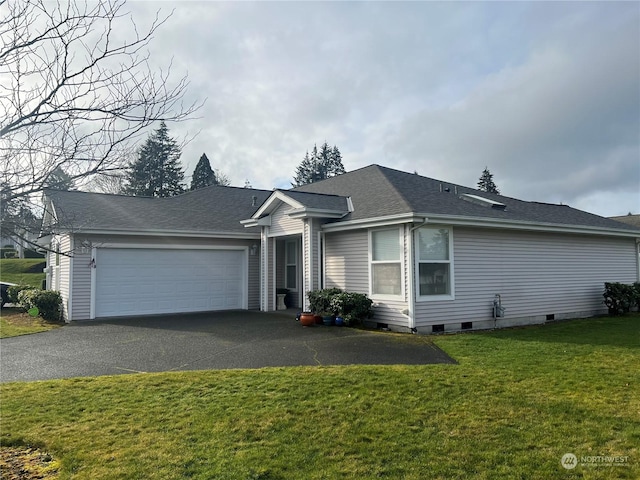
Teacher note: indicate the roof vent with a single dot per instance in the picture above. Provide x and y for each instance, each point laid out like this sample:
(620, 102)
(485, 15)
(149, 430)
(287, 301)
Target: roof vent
(485, 202)
(254, 200)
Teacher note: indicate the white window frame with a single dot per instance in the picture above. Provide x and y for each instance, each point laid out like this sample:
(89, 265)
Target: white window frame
(433, 298)
(400, 261)
(287, 245)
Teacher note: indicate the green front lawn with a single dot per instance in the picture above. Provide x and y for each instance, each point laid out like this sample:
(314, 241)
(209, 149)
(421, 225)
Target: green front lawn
(15, 322)
(518, 401)
(22, 271)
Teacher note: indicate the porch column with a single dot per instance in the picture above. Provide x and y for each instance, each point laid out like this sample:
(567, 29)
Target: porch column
(310, 258)
(264, 269)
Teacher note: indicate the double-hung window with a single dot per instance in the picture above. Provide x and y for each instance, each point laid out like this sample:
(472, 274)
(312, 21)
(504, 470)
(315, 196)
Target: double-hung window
(434, 259)
(386, 262)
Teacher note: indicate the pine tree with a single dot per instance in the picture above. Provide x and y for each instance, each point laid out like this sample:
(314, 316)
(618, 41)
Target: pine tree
(157, 171)
(203, 174)
(485, 183)
(322, 164)
(58, 179)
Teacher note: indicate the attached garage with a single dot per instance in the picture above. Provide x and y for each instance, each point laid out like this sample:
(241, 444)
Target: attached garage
(145, 281)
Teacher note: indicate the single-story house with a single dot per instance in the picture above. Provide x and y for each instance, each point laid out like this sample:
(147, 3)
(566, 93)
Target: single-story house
(433, 256)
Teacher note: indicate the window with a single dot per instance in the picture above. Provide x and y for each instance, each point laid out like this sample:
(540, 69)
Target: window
(386, 262)
(291, 264)
(434, 262)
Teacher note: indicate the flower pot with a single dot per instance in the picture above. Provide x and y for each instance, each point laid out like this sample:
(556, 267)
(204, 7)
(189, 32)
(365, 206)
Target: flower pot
(327, 320)
(318, 319)
(339, 321)
(307, 319)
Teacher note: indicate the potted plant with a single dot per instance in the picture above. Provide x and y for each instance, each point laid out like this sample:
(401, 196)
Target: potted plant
(306, 319)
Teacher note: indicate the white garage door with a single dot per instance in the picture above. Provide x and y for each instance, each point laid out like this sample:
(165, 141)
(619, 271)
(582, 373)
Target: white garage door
(133, 281)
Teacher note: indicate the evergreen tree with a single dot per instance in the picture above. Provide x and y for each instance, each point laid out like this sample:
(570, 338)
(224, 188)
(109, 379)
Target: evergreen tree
(322, 164)
(58, 179)
(157, 171)
(485, 183)
(203, 174)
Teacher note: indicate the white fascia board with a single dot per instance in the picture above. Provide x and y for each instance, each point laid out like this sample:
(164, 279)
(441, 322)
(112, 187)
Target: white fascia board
(275, 196)
(169, 233)
(372, 222)
(530, 226)
(257, 222)
(315, 213)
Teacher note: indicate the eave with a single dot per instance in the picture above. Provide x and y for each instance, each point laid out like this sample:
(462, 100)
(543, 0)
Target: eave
(440, 219)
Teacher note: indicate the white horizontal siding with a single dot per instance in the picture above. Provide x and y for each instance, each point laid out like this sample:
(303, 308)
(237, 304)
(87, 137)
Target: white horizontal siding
(282, 224)
(81, 309)
(536, 275)
(347, 267)
(346, 261)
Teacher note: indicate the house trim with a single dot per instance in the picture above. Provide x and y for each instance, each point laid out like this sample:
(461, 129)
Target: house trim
(169, 233)
(416, 265)
(401, 246)
(523, 225)
(474, 222)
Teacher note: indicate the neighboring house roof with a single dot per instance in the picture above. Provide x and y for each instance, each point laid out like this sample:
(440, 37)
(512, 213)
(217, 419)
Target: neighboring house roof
(212, 209)
(633, 220)
(377, 191)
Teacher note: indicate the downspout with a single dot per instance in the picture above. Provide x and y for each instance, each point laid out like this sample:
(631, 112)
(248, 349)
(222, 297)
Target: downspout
(412, 273)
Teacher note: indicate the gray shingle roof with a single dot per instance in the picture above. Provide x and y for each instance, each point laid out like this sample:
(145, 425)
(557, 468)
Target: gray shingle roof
(380, 191)
(319, 201)
(210, 209)
(375, 192)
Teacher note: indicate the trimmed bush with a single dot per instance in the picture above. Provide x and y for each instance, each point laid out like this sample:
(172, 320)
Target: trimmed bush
(621, 298)
(48, 302)
(352, 307)
(320, 300)
(14, 291)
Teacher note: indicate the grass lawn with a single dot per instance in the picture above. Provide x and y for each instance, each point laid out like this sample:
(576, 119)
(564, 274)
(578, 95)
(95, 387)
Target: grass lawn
(14, 322)
(517, 402)
(22, 271)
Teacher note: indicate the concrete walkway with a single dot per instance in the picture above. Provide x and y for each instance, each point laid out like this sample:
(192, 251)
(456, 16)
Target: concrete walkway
(220, 340)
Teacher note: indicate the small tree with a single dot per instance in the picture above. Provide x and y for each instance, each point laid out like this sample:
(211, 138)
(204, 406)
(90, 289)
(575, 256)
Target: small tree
(203, 174)
(77, 90)
(322, 164)
(486, 182)
(157, 171)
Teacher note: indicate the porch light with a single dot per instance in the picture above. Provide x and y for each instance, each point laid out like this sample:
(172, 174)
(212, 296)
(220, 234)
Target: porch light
(253, 250)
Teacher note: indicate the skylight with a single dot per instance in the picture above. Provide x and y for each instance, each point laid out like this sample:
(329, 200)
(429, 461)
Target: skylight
(485, 202)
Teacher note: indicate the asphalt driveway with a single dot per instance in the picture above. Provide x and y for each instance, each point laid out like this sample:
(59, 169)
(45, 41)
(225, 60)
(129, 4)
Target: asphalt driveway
(202, 341)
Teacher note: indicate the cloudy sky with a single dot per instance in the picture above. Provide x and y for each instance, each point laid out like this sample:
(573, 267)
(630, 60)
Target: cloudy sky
(545, 94)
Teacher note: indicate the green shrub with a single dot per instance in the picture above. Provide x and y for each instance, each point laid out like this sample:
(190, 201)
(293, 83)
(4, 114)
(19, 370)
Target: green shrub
(320, 300)
(620, 298)
(14, 290)
(48, 302)
(352, 307)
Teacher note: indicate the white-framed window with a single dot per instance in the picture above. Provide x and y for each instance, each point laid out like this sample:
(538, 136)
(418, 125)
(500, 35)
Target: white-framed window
(434, 263)
(291, 264)
(385, 247)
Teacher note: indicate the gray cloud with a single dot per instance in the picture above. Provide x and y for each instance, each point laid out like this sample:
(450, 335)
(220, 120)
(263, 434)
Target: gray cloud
(545, 94)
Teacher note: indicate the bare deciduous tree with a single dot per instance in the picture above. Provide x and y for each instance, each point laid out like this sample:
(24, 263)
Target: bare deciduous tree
(76, 89)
